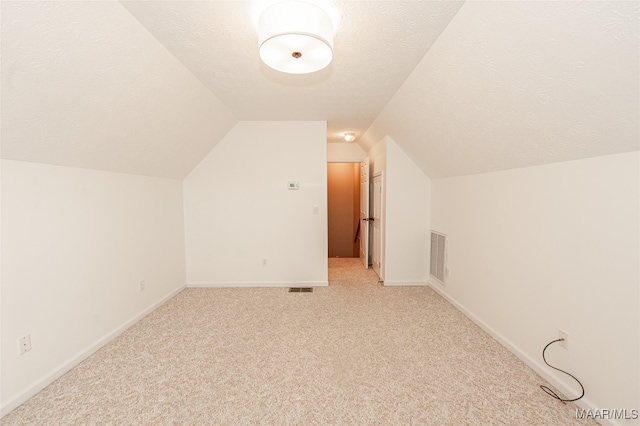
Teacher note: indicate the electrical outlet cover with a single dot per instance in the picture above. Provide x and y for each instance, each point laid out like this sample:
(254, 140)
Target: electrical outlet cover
(563, 335)
(25, 344)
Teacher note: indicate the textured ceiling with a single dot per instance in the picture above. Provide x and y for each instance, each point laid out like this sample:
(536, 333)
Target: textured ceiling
(377, 45)
(149, 87)
(85, 85)
(521, 83)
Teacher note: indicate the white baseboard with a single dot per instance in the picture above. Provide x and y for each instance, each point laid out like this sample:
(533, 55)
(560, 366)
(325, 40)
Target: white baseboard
(406, 283)
(57, 372)
(250, 284)
(536, 366)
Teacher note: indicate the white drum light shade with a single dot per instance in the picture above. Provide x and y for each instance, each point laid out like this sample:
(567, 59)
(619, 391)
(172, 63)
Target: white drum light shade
(295, 37)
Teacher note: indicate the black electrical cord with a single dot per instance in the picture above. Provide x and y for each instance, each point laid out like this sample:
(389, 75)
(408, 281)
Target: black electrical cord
(549, 391)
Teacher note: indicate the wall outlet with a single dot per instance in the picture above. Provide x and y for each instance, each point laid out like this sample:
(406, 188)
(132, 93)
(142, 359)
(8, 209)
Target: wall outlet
(141, 285)
(264, 262)
(25, 344)
(563, 335)
(316, 209)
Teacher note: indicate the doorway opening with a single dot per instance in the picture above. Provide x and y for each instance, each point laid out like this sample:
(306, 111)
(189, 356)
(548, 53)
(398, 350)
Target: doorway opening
(343, 205)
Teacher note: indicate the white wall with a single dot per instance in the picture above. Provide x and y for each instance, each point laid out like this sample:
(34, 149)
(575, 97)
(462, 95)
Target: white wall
(238, 210)
(378, 164)
(408, 211)
(552, 247)
(75, 243)
(405, 203)
(378, 157)
(345, 153)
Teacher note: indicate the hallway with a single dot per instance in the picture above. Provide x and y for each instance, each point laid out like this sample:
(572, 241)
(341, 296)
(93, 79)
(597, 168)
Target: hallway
(349, 271)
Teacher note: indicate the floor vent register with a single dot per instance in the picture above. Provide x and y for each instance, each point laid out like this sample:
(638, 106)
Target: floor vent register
(301, 290)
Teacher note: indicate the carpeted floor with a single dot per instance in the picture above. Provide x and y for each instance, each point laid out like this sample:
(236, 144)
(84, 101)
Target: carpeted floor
(350, 354)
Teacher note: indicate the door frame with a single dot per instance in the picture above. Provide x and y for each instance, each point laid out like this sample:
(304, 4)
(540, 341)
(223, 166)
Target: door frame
(365, 210)
(378, 214)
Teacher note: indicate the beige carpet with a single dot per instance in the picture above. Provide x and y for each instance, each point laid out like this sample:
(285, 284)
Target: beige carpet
(353, 353)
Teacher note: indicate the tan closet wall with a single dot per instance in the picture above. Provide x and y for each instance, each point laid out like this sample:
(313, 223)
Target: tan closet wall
(343, 191)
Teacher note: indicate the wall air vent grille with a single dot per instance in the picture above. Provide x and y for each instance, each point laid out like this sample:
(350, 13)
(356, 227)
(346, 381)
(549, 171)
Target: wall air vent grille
(438, 256)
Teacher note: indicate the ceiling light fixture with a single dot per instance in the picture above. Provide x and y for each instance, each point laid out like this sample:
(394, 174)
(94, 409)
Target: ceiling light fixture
(295, 37)
(349, 136)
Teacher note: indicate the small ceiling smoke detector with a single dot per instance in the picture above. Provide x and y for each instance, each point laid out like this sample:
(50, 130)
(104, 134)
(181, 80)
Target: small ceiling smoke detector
(295, 37)
(350, 136)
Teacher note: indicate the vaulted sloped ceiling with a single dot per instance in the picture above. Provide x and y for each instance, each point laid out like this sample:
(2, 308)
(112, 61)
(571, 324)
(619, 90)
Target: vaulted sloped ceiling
(149, 87)
(377, 44)
(85, 85)
(520, 83)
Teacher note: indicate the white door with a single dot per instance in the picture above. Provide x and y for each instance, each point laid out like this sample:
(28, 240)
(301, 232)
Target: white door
(376, 223)
(364, 212)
